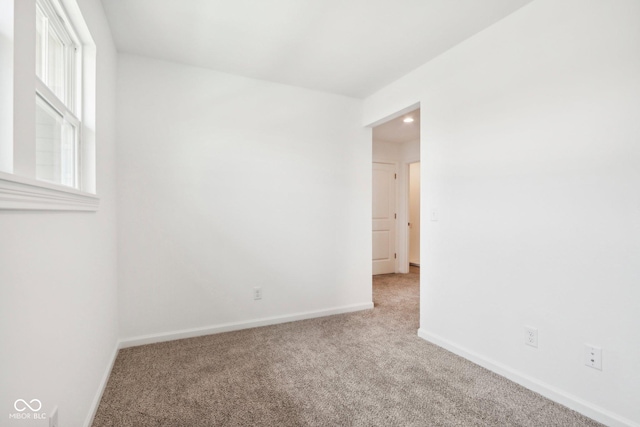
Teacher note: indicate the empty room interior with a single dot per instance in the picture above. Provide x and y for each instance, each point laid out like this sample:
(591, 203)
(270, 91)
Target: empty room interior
(316, 213)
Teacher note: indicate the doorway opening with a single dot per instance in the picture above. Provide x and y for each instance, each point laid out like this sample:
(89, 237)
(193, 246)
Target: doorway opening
(396, 215)
(396, 190)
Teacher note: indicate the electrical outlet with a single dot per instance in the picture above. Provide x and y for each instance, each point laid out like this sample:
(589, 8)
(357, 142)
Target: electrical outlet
(53, 418)
(593, 357)
(257, 293)
(531, 336)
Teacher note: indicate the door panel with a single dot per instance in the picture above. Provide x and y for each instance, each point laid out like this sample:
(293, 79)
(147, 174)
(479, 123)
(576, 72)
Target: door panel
(384, 222)
(380, 245)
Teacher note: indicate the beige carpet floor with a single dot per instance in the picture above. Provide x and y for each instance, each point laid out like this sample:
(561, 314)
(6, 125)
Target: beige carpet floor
(360, 369)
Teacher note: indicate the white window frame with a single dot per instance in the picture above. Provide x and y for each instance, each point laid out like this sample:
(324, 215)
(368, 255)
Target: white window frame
(19, 188)
(61, 25)
(70, 106)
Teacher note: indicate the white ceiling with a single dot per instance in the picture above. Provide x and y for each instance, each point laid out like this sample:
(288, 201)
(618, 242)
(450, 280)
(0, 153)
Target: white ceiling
(397, 131)
(349, 47)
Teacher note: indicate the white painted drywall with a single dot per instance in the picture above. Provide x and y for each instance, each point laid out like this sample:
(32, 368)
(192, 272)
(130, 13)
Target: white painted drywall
(58, 322)
(410, 151)
(414, 213)
(386, 151)
(531, 155)
(228, 183)
(405, 152)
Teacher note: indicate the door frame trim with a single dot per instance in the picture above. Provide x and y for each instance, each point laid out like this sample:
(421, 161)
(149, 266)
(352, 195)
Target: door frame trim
(407, 165)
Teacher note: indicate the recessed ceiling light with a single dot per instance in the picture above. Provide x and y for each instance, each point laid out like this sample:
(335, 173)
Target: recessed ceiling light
(408, 119)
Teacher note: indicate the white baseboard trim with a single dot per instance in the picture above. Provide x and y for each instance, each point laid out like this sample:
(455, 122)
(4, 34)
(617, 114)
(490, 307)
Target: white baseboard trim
(236, 326)
(103, 384)
(579, 405)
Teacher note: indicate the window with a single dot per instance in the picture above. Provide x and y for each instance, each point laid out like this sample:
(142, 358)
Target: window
(56, 146)
(47, 114)
(57, 97)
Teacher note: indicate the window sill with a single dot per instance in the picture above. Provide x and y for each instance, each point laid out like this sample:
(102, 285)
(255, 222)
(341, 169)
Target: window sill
(20, 193)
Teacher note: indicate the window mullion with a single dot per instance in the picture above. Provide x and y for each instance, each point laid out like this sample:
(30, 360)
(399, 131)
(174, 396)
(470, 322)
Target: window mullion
(51, 98)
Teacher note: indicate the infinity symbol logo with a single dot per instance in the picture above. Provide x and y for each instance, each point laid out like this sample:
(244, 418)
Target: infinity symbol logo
(26, 405)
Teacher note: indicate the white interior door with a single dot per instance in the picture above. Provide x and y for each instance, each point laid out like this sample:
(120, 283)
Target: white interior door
(384, 218)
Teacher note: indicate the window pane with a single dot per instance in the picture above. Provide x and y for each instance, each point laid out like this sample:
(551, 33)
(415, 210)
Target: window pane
(68, 155)
(40, 43)
(55, 146)
(55, 78)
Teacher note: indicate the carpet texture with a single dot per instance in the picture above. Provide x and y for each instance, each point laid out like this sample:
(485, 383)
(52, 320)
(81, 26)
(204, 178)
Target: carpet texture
(359, 369)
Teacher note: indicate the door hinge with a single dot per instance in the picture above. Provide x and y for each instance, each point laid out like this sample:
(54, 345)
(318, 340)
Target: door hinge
(395, 176)
(395, 256)
(395, 216)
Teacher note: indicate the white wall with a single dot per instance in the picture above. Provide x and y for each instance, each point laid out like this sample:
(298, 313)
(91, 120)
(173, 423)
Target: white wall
(410, 151)
(228, 183)
(530, 153)
(58, 274)
(404, 152)
(385, 151)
